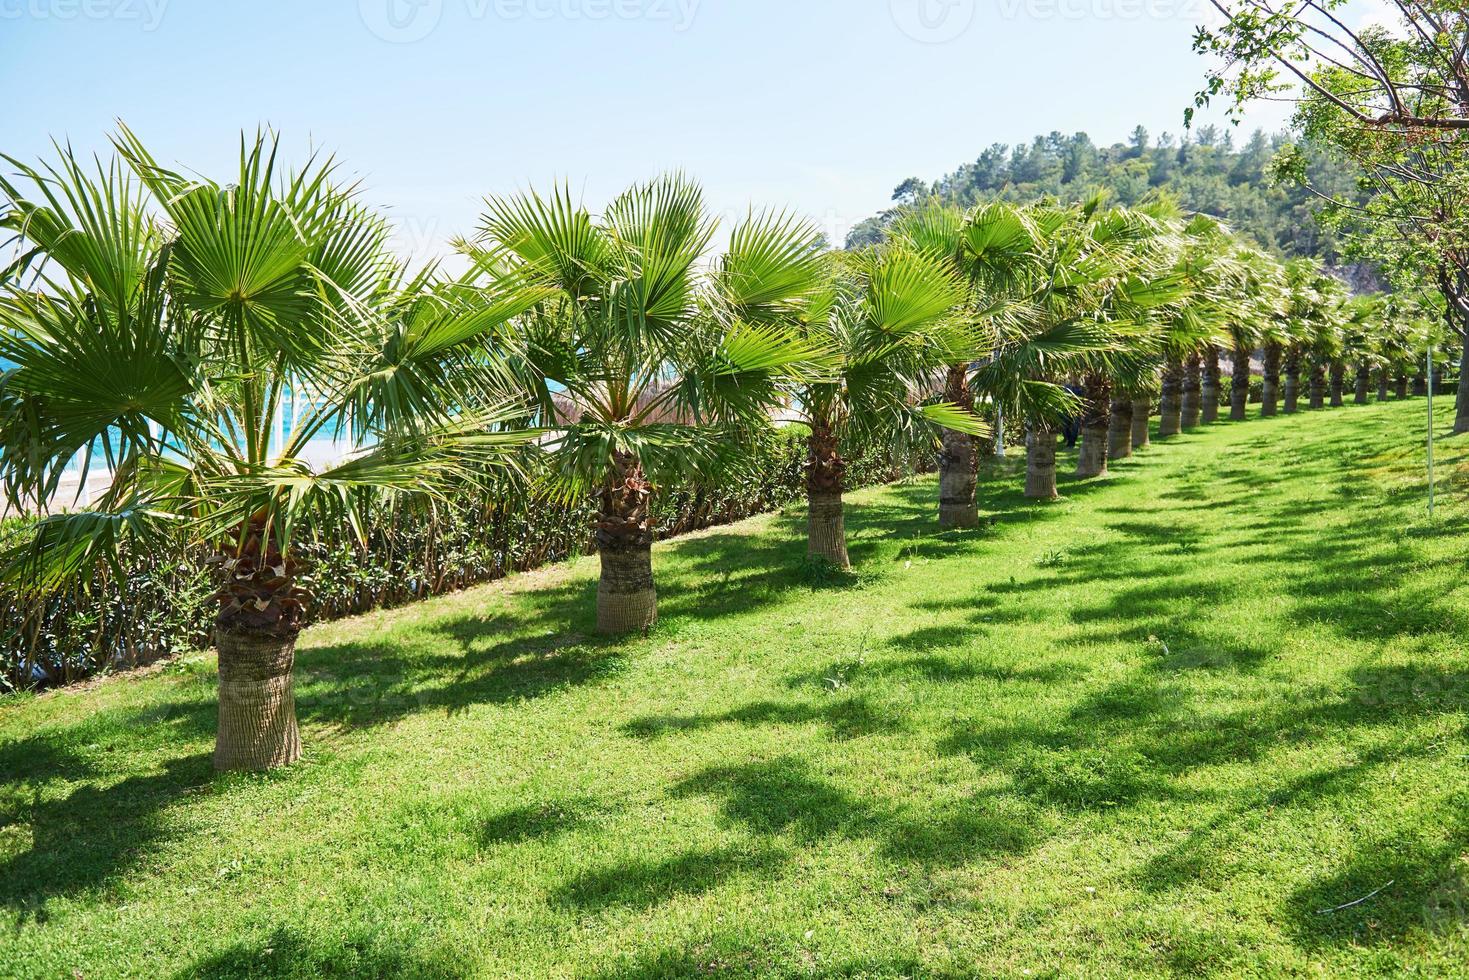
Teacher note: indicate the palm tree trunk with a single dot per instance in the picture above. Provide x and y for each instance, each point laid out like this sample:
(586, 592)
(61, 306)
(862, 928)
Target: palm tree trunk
(1211, 386)
(1420, 384)
(1461, 418)
(1096, 419)
(826, 528)
(1239, 386)
(1142, 412)
(958, 461)
(1119, 431)
(1401, 385)
(255, 631)
(1338, 384)
(1318, 383)
(1170, 408)
(1193, 391)
(626, 599)
(1382, 382)
(257, 701)
(1270, 390)
(1040, 463)
(1364, 383)
(1292, 381)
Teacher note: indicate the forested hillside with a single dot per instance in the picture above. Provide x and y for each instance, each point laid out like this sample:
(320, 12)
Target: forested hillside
(1207, 171)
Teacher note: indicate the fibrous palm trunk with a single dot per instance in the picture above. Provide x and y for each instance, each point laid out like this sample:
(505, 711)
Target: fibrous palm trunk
(1239, 386)
(1192, 402)
(1318, 383)
(1142, 412)
(1338, 384)
(255, 631)
(1096, 418)
(626, 599)
(1461, 417)
(1292, 381)
(1364, 383)
(1420, 385)
(1211, 386)
(826, 527)
(257, 701)
(958, 461)
(1400, 387)
(1270, 391)
(1170, 407)
(1040, 463)
(1119, 430)
(1382, 384)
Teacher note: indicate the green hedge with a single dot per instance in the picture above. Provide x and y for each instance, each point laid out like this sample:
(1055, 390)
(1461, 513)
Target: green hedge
(163, 604)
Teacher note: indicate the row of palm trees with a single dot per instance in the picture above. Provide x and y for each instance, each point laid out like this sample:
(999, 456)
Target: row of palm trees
(158, 323)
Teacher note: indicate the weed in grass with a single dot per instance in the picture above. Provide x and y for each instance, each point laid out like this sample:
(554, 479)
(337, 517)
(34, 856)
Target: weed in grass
(1051, 558)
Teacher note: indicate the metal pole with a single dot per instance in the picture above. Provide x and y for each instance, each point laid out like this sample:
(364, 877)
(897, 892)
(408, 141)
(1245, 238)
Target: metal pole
(999, 431)
(1430, 430)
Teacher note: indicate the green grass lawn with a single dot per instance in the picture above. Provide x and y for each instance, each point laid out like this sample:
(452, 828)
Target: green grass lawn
(1157, 729)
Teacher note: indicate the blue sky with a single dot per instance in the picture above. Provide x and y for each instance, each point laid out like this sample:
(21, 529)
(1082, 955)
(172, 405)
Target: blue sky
(819, 105)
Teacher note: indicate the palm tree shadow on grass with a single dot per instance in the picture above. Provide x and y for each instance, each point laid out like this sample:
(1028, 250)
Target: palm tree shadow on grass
(646, 883)
(1126, 746)
(784, 799)
(91, 836)
(751, 956)
(782, 806)
(452, 663)
(844, 718)
(1390, 892)
(288, 953)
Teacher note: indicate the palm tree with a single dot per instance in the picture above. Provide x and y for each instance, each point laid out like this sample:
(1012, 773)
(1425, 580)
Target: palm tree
(992, 249)
(1324, 349)
(1239, 380)
(1212, 387)
(1193, 389)
(1337, 368)
(646, 368)
(1198, 321)
(167, 324)
(1273, 355)
(1119, 427)
(1255, 321)
(1294, 356)
(1338, 383)
(887, 325)
(1170, 404)
(1134, 383)
(1131, 252)
(1232, 300)
(1361, 325)
(1312, 300)
(1080, 293)
(1300, 298)
(1142, 409)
